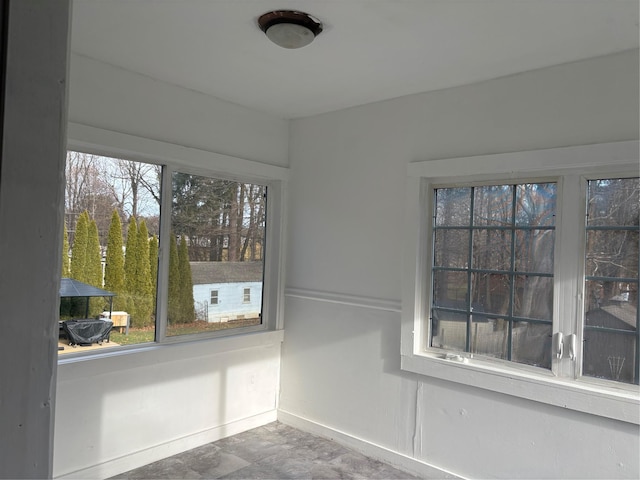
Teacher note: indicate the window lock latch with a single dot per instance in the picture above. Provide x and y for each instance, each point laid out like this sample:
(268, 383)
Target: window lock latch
(558, 344)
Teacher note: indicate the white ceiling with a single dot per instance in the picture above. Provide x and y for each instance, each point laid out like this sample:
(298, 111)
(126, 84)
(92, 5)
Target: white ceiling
(370, 50)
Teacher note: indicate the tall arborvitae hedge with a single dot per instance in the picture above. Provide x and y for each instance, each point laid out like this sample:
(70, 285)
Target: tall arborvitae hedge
(114, 263)
(93, 268)
(130, 265)
(79, 249)
(173, 308)
(153, 267)
(78, 263)
(186, 283)
(66, 270)
(143, 296)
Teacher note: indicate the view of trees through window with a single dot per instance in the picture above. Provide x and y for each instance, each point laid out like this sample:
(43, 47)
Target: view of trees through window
(611, 280)
(112, 240)
(493, 271)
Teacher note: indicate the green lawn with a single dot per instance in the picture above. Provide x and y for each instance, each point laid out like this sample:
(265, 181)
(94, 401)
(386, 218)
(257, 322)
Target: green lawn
(145, 335)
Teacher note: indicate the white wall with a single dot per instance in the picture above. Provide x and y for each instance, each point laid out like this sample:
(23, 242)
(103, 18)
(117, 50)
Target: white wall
(341, 355)
(121, 411)
(32, 138)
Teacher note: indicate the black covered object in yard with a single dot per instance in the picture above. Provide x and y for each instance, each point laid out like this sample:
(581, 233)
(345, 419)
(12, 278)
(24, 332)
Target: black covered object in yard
(87, 331)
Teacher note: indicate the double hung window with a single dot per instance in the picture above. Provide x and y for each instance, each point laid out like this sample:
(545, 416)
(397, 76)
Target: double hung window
(526, 275)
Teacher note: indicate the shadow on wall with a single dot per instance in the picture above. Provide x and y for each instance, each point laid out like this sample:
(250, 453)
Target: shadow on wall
(137, 403)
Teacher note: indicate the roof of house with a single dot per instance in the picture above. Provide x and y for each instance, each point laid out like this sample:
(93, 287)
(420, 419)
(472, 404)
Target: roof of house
(226, 272)
(623, 311)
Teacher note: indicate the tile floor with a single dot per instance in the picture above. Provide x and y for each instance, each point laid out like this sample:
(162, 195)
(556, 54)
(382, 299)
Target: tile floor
(274, 451)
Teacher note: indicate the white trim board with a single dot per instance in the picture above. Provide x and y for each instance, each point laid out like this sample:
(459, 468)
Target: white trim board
(377, 452)
(167, 449)
(345, 299)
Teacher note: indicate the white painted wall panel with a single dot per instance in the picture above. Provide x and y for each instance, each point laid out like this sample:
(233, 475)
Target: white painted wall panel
(340, 363)
(104, 96)
(147, 405)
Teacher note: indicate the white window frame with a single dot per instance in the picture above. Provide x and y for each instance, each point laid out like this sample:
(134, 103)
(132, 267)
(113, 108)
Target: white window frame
(211, 296)
(174, 158)
(562, 386)
(246, 295)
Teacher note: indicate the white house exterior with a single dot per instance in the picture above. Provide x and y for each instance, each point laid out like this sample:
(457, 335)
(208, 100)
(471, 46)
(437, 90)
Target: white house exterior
(224, 291)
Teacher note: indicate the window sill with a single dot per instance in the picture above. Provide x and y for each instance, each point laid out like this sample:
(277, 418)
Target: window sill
(154, 353)
(618, 403)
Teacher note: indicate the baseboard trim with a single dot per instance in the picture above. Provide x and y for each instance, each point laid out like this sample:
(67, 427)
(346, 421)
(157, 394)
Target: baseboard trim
(167, 449)
(399, 460)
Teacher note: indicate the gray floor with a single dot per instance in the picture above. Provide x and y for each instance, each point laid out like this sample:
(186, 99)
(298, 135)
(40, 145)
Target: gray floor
(274, 451)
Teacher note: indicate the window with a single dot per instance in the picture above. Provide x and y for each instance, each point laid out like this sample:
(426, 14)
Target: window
(611, 280)
(521, 276)
(246, 297)
(219, 225)
(155, 275)
(492, 274)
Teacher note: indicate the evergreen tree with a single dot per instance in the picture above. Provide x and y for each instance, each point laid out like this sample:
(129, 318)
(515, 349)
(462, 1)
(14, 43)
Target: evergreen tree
(153, 267)
(79, 249)
(130, 265)
(66, 271)
(114, 268)
(186, 283)
(173, 310)
(143, 295)
(93, 259)
(93, 267)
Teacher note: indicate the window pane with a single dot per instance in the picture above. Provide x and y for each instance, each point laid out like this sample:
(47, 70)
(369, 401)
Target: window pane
(110, 243)
(489, 336)
(449, 330)
(610, 355)
(450, 289)
(534, 250)
(453, 206)
(491, 293)
(611, 304)
(217, 243)
(493, 205)
(612, 253)
(613, 202)
(491, 249)
(533, 297)
(532, 344)
(611, 286)
(451, 248)
(536, 204)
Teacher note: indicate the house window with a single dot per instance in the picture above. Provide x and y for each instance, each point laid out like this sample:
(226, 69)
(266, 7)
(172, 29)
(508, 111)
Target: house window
(521, 275)
(492, 274)
(163, 272)
(611, 280)
(219, 225)
(246, 296)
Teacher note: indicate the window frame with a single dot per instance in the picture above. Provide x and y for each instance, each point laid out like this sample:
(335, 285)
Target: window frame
(174, 158)
(211, 297)
(563, 384)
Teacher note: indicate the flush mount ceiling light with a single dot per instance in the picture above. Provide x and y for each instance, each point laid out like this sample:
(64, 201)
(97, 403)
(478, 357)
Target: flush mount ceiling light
(289, 29)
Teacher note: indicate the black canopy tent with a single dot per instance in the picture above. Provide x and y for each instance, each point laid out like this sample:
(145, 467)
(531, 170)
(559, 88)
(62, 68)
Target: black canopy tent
(85, 331)
(70, 288)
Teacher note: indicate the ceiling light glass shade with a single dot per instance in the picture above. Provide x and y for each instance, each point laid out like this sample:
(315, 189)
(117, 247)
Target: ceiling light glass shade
(289, 28)
(290, 35)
